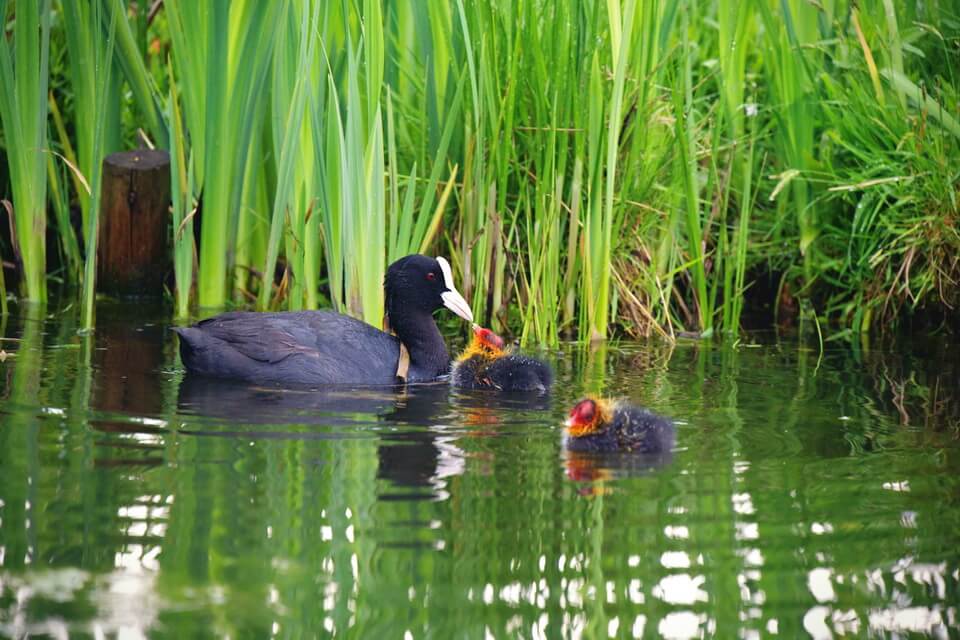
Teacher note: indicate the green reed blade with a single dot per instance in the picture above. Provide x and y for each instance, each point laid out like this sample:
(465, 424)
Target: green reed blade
(223, 66)
(286, 168)
(128, 56)
(103, 74)
(86, 31)
(23, 112)
(181, 190)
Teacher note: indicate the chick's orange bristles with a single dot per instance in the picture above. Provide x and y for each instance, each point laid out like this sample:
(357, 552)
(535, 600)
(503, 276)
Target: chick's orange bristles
(588, 416)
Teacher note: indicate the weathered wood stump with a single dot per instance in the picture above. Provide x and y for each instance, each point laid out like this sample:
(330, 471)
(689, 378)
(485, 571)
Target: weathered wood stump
(132, 254)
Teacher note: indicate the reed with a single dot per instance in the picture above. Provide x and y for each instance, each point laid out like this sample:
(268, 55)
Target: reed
(96, 83)
(734, 44)
(86, 52)
(183, 205)
(685, 117)
(590, 168)
(791, 59)
(290, 68)
(222, 68)
(57, 181)
(128, 57)
(24, 64)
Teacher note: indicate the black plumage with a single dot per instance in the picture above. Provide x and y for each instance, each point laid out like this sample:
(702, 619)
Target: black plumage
(599, 426)
(322, 347)
(485, 364)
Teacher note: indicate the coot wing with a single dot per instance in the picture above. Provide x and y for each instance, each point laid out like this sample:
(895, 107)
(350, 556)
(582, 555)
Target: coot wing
(264, 337)
(305, 347)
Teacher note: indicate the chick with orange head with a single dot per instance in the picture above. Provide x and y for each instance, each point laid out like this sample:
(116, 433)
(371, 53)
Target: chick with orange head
(487, 364)
(599, 425)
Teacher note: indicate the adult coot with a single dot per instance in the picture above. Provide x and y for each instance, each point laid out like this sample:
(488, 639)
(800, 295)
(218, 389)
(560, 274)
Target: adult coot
(323, 347)
(601, 425)
(486, 364)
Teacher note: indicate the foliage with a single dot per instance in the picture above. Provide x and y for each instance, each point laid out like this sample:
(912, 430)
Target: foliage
(24, 61)
(589, 167)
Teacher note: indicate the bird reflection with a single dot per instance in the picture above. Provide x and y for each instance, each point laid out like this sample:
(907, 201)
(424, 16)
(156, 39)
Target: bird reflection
(594, 469)
(420, 448)
(415, 454)
(251, 404)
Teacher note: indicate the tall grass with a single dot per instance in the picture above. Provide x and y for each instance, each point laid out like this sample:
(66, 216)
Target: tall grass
(142, 86)
(790, 49)
(290, 207)
(183, 205)
(590, 168)
(92, 69)
(94, 93)
(898, 179)
(221, 53)
(24, 63)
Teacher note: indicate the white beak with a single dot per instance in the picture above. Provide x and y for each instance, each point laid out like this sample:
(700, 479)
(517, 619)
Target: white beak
(455, 302)
(451, 297)
(568, 423)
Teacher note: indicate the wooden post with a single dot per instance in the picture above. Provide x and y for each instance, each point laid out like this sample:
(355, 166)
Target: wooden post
(132, 255)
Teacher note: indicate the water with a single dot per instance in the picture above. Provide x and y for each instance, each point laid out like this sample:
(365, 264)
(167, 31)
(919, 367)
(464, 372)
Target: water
(810, 495)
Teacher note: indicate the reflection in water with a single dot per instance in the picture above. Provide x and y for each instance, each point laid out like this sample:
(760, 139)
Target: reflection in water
(413, 454)
(238, 403)
(808, 496)
(127, 355)
(588, 467)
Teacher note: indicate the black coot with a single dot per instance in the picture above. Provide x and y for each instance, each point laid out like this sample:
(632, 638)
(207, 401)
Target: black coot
(322, 347)
(600, 425)
(485, 364)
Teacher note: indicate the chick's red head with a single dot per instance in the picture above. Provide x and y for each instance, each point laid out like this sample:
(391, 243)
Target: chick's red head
(487, 338)
(587, 416)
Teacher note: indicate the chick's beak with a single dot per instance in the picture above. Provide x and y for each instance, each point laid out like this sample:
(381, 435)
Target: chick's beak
(569, 422)
(451, 297)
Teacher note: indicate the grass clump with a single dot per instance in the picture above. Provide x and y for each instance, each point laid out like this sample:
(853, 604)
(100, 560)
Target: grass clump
(591, 168)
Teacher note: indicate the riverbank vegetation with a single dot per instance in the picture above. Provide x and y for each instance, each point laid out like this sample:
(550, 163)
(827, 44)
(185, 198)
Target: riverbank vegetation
(591, 168)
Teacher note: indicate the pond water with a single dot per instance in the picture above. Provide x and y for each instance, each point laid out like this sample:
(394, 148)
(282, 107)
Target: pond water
(810, 494)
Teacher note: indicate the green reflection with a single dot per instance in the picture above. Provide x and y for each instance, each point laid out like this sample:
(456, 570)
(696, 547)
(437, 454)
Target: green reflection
(800, 497)
(21, 473)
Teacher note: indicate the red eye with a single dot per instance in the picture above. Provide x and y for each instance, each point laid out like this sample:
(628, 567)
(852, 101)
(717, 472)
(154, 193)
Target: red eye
(431, 276)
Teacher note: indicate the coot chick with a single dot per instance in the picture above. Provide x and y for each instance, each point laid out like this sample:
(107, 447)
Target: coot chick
(602, 426)
(309, 348)
(486, 364)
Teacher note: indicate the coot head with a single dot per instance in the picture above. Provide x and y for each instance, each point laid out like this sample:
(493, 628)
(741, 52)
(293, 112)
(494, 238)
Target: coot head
(418, 283)
(587, 417)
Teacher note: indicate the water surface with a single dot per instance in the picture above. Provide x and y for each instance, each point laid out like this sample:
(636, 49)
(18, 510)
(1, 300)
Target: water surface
(811, 494)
